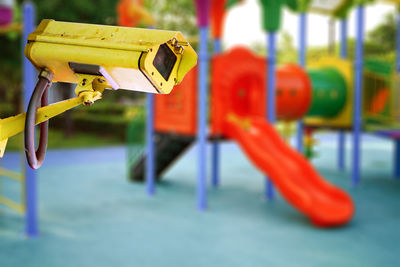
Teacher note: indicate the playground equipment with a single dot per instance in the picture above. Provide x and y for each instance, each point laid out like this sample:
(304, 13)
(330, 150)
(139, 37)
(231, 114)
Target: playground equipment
(359, 111)
(237, 111)
(6, 12)
(8, 19)
(320, 97)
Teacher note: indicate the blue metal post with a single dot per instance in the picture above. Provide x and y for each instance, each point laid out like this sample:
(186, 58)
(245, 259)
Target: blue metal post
(302, 62)
(150, 163)
(397, 159)
(397, 141)
(271, 62)
(217, 46)
(397, 96)
(202, 120)
(342, 136)
(357, 124)
(215, 146)
(31, 219)
(151, 153)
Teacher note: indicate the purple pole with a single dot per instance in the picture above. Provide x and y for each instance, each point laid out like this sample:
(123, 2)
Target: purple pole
(302, 61)
(6, 15)
(342, 136)
(215, 146)
(357, 124)
(271, 62)
(31, 216)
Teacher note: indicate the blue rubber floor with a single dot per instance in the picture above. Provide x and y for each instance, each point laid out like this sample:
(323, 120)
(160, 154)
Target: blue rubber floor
(90, 215)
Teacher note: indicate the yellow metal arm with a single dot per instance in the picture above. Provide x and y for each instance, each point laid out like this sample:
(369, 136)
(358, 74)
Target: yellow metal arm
(15, 125)
(89, 90)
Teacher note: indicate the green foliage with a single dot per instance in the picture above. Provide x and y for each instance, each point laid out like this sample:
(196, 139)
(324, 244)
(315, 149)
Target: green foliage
(104, 117)
(177, 15)
(57, 140)
(172, 15)
(383, 36)
(371, 49)
(87, 11)
(258, 48)
(136, 138)
(380, 43)
(10, 70)
(286, 51)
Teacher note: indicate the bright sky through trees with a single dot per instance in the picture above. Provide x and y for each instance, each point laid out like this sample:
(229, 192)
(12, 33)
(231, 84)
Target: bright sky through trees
(243, 24)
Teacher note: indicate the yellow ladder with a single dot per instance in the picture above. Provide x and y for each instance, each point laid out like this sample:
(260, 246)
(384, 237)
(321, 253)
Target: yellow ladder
(15, 176)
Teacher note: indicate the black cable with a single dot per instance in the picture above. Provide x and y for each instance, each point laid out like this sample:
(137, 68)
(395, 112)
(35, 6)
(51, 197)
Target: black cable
(34, 157)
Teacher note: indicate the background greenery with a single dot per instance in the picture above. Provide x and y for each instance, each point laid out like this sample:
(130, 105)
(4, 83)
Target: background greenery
(108, 119)
(380, 43)
(111, 116)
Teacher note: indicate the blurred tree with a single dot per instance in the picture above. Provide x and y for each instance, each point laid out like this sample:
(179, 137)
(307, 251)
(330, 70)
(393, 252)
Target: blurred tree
(286, 50)
(380, 43)
(173, 15)
(178, 15)
(383, 36)
(258, 48)
(89, 11)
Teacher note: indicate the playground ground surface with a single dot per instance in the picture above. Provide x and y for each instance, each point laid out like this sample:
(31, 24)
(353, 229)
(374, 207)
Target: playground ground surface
(90, 215)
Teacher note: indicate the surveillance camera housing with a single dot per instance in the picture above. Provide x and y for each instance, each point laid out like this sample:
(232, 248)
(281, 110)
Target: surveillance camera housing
(146, 60)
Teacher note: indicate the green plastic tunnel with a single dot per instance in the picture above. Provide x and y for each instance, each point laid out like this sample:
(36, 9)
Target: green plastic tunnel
(329, 92)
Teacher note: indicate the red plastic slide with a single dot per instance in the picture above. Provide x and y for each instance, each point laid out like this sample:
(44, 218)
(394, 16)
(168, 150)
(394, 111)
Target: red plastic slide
(295, 178)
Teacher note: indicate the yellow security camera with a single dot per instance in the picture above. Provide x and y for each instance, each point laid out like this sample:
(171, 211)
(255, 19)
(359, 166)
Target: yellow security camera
(95, 57)
(135, 59)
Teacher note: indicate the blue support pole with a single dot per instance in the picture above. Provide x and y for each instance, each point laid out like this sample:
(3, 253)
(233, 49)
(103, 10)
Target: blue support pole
(215, 146)
(357, 123)
(202, 120)
(150, 162)
(31, 217)
(151, 153)
(302, 62)
(397, 141)
(342, 136)
(397, 159)
(217, 46)
(397, 96)
(341, 150)
(271, 62)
